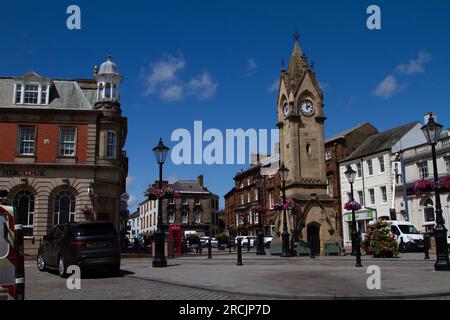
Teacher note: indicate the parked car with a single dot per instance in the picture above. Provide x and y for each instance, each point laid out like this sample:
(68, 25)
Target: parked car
(205, 240)
(407, 236)
(87, 245)
(12, 271)
(268, 241)
(249, 241)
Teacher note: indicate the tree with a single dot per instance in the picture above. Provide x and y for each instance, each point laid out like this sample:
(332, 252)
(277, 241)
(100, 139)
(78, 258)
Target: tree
(379, 240)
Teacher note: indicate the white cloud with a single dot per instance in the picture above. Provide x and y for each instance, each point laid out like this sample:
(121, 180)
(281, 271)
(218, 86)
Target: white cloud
(163, 79)
(130, 181)
(388, 87)
(251, 67)
(274, 86)
(415, 66)
(134, 201)
(203, 87)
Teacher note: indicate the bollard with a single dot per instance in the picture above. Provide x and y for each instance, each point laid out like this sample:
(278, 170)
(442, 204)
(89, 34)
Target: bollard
(311, 247)
(426, 246)
(239, 253)
(209, 249)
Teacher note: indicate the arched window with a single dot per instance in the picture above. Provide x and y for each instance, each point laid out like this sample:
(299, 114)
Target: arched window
(428, 210)
(64, 208)
(24, 203)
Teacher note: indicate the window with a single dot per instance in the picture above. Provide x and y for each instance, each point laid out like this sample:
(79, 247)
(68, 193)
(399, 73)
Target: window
(382, 167)
(184, 200)
(257, 195)
(242, 198)
(184, 216)
(447, 163)
(330, 190)
(328, 155)
(361, 198)
(171, 201)
(372, 196)
(67, 142)
(349, 196)
(27, 136)
(111, 141)
(64, 208)
(423, 169)
(197, 200)
(271, 200)
(24, 204)
(248, 197)
(18, 99)
(359, 169)
(198, 216)
(370, 166)
(384, 197)
(428, 210)
(171, 215)
(31, 94)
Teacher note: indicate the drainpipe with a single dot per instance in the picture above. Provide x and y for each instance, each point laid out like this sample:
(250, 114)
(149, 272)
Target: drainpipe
(405, 194)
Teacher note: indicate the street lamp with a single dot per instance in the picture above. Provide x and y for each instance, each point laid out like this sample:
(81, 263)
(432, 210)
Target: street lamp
(260, 236)
(284, 235)
(159, 260)
(356, 250)
(432, 132)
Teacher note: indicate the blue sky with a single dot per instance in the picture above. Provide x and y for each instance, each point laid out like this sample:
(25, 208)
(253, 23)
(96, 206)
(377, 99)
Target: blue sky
(215, 61)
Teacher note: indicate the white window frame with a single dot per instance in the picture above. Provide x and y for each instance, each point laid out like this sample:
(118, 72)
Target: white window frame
(361, 197)
(447, 163)
(31, 143)
(359, 170)
(67, 143)
(370, 167)
(198, 216)
(171, 216)
(382, 164)
(384, 195)
(423, 168)
(372, 196)
(109, 145)
(43, 93)
(184, 216)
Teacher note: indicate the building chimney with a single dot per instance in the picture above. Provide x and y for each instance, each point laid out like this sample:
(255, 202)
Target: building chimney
(200, 180)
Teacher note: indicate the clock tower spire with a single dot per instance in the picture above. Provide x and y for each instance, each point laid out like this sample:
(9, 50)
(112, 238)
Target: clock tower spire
(302, 147)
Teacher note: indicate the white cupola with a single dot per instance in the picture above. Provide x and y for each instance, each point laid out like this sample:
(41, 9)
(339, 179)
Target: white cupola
(108, 81)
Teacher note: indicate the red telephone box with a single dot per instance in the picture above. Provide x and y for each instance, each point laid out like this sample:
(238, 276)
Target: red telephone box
(175, 234)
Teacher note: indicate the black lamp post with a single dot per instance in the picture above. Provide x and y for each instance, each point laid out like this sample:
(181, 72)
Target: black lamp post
(260, 236)
(159, 260)
(285, 234)
(432, 132)
(356, 250)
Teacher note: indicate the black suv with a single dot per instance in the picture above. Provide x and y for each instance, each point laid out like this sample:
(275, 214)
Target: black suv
(87, 245)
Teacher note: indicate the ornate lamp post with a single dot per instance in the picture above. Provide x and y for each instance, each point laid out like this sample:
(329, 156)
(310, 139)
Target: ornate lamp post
(432, 132)
(285, 234)
(260, 236)
(159, 260)
(356, 250)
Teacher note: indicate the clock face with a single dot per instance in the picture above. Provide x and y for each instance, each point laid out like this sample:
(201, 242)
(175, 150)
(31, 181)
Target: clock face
(306, 108)
(286, 111)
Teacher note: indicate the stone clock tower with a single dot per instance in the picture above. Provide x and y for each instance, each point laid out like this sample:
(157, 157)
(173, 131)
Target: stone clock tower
(301, 121)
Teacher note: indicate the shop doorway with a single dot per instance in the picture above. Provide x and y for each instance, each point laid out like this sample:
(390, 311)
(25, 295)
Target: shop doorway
(314, 237)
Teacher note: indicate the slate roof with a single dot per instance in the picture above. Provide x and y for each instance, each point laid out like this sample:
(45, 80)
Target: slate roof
(345, 133)
(67, 94)
(381, 141)
(189, 186)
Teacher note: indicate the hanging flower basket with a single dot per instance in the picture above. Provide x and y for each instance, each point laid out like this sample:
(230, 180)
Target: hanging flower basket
(290, 205)
(259, 209)
(444, 183)
(153, 193)
(423, 186)
(352, 205)
(88, 212)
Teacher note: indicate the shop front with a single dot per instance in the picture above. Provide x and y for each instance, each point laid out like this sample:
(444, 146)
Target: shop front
(363, 218)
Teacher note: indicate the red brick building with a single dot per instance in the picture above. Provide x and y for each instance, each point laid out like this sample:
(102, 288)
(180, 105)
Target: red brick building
(338, 148)
(62, 157)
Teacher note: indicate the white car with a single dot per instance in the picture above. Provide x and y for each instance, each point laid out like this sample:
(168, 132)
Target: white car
(407, 236)
(268, 241)
(204, 241)
(249, 240)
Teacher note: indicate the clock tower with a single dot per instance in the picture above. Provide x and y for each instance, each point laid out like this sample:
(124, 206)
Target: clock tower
(301, 122)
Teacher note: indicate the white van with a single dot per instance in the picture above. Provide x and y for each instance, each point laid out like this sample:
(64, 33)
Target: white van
(407, 236)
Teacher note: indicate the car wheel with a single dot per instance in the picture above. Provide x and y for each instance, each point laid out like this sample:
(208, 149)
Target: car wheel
(41, 263)
(62, 268)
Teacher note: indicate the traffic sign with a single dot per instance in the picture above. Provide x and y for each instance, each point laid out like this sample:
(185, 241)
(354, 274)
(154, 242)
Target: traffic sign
(125, 197)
